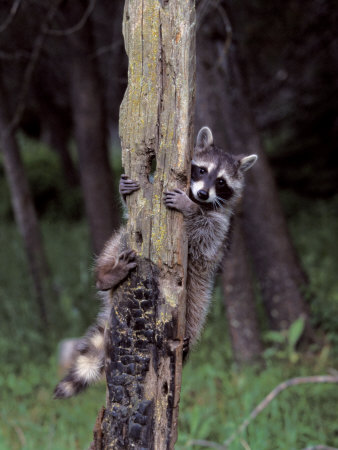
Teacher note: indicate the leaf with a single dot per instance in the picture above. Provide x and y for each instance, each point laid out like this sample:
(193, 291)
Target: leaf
(294, 357)
(275, 337)
(295, 331)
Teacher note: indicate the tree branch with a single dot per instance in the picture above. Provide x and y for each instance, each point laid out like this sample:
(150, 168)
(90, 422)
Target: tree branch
(263, 404)
(320, 447)
(79, 25)
(18, 55)
(273, 394)
(106, 49)
(11, 15)
(35, 54)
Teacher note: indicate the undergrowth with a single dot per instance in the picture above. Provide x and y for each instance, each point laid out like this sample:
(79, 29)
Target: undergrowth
(216, 394)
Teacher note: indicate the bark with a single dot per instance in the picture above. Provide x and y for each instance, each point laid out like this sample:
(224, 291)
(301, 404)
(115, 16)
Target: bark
(212, 104)
(239, 300)
(90, 131)
(24, 210)
(145, 336)
(266, 235)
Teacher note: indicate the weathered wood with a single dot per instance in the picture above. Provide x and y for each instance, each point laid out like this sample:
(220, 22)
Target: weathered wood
(146, 332)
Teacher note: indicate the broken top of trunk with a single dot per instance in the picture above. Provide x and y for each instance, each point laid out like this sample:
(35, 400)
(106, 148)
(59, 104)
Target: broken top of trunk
(147, 324)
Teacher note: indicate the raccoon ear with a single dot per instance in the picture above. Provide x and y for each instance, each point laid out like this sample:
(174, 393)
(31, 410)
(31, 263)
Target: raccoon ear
(204, 138)
(247, 162)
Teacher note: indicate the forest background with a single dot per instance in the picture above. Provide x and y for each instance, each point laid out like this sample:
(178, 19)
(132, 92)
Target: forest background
(267, 82)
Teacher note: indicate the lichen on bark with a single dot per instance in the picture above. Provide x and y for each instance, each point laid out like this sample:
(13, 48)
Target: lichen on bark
(146, 331)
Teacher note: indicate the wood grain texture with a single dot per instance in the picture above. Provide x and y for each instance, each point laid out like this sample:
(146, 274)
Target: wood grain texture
(148, 315)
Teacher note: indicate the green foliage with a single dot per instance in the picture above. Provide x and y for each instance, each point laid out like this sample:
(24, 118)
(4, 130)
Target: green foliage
(22, 336)
(285, 341)
(314, 228)
(53, 198)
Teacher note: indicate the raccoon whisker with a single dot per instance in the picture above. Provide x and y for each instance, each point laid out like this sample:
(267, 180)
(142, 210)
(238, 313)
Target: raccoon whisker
(221, 201)
(216, 203)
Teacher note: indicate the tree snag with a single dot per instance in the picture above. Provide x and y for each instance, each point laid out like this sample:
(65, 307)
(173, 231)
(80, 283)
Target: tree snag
(146, 331)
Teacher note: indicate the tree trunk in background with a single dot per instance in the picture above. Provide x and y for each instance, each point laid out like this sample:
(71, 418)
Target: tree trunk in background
(147, 324)
(114, 68)
(239, 299)
(276, 265)
(24, 211)
(223, 100)
(210, 110)
(56, 134)
(90, 131)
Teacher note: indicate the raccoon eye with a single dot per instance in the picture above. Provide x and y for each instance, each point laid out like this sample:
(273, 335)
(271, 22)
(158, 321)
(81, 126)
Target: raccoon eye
(220, 182)
(202, 170)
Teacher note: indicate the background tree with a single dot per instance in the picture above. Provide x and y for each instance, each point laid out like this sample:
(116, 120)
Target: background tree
(90, 128)
(226, 100)
(24, 210)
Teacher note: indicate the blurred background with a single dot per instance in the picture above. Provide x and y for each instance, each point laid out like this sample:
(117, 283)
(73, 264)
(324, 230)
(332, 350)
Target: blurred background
(267, 83)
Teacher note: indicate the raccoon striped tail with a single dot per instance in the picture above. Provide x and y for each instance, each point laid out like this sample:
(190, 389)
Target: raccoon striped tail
(88, 364)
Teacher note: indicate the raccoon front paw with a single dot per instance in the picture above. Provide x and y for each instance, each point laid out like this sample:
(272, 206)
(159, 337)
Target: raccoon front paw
(127, 186)
(179, 200)
(109, 276)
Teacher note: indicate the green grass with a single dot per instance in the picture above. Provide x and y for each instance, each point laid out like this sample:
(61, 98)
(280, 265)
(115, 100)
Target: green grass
(31, 419)
(216, 396)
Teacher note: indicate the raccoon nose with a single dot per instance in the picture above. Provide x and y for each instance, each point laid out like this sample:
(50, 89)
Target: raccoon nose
(203, 195)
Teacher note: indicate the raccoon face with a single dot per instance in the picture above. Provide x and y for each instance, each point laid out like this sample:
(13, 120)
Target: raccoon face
(216, 176)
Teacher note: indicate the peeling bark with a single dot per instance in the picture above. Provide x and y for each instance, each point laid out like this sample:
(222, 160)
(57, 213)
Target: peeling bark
(147, 325)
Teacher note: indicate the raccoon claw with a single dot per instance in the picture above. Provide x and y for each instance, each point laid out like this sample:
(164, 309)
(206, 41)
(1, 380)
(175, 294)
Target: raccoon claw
(127, 258)
(179, 200)
(128, 186)
(110, 276)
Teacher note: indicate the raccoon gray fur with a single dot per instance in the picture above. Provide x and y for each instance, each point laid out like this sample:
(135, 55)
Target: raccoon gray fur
(217, 182)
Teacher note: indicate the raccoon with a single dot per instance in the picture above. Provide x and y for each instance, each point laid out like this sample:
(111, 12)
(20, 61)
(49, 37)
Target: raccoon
(217, 182)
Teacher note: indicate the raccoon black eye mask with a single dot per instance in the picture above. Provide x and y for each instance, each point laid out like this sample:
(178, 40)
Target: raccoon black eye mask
(217, 181)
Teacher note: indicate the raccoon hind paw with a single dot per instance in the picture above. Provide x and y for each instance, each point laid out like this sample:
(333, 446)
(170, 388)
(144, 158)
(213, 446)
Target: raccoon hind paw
(68, 388)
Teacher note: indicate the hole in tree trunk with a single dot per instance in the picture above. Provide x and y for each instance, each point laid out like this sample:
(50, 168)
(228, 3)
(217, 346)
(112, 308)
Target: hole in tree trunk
(139, 237)
(165, 388)
(152, 169)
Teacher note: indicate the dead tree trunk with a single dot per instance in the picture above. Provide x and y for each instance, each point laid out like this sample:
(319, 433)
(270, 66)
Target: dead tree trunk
(24, 210)
(145, 336)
